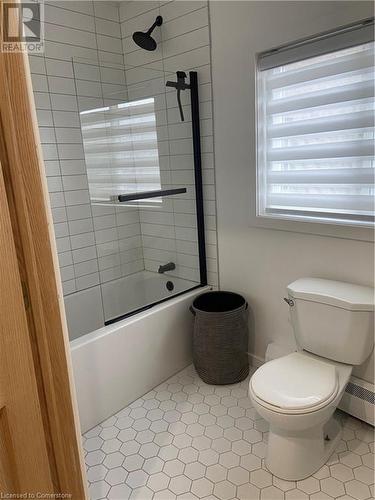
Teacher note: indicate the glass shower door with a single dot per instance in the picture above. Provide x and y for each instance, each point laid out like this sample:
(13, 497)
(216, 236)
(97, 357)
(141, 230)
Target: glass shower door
(141, 175)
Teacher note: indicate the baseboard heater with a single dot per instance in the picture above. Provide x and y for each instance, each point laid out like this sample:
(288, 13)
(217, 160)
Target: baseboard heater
(359, 400)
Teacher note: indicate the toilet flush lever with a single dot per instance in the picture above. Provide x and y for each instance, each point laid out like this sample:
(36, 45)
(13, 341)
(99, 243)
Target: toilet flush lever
(290, 302)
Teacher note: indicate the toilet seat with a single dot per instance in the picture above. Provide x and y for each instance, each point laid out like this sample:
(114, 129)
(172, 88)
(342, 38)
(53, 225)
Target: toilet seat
(295, 384)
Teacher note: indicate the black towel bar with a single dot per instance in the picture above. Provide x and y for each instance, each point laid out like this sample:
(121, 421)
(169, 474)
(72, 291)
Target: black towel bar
(150, 194)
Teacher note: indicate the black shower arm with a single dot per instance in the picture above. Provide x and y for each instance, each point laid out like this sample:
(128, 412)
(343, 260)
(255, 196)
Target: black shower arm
(158, 22)
(151, 29)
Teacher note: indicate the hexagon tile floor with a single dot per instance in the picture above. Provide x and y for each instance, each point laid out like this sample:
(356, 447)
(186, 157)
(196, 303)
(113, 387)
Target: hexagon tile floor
(186, 440)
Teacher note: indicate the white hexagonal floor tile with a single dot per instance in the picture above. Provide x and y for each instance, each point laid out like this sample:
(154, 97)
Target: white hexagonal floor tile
(202, 488)
(130, 447)
(238, 476)
(341, 472)
(168, 452)
(357, 490)
(282, 484)
(119, 492)
(158, 482)
(188, 455)
(241, 447)
(111, 445)
(94, 457)
(142, 493)
(297, 494)
(332, 487)
(213, 431)
(224, 490)
(133, 462)
(98, 490)
(261, 478)
(93, 444)
(109, 432)
(248, 491)
(180, 484)
(126, 435)
(96, 473)
(195, 470)
(116, 476)
(273, 493)
(153, 465)
(189, 440)
(221, 445)
(137, 478)
(229, 459)
(368, 460)
(216, 473)
(149, 450)
(310, 485)
(174, 468)
(350, 459)
(364, 474)
(164, 495)
(208, 457)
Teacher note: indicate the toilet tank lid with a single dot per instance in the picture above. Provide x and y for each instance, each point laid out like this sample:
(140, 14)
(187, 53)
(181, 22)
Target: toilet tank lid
(336, 293)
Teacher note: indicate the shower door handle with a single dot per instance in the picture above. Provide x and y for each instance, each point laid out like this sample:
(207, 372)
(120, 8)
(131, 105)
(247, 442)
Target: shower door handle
(150, 194)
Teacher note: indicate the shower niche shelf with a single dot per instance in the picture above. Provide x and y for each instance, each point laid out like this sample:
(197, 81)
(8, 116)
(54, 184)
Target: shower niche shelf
(150, 194)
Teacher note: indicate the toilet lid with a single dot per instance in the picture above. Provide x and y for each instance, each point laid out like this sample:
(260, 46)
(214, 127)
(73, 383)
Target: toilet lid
(295, 382)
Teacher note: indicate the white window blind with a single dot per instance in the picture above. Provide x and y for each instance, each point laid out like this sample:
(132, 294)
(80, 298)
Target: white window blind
(121, 151)
(315, 158)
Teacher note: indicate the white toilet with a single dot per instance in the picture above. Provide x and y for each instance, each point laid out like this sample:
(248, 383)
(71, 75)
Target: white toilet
(298, 393)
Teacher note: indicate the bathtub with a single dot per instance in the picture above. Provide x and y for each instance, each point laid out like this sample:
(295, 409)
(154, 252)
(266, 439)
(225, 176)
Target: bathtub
(118, 363)
(88, 310)
(138, 290)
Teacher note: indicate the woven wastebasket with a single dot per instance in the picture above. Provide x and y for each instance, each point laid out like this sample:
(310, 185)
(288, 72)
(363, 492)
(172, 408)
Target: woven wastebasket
(220, 338)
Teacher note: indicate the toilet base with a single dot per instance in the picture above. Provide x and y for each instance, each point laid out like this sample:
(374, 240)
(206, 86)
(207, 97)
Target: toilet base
(296, 455)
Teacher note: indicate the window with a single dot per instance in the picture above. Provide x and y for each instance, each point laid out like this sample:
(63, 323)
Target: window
(315, 156)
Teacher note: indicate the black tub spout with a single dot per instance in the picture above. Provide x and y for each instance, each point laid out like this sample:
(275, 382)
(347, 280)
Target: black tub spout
(167, 267)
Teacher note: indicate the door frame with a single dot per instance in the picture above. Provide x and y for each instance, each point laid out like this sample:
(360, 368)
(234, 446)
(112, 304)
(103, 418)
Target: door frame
(35, 244)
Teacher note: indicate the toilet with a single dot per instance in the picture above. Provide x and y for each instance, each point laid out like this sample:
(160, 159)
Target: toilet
(297, 394)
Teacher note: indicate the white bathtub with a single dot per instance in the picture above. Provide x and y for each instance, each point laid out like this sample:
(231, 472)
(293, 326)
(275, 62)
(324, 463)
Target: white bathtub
(119, 363)
(88, 310)
(138, 290)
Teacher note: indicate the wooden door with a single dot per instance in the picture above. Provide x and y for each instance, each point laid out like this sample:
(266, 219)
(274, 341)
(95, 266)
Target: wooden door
(40, 449)
(24, 462)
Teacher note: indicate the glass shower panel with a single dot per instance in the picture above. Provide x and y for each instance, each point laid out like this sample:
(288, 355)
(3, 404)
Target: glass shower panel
(140, 170)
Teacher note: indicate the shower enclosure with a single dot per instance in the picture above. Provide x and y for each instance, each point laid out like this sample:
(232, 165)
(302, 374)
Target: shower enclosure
(144, 205)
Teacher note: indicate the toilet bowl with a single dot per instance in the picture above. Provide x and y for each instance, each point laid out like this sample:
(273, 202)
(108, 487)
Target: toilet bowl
(297, 394)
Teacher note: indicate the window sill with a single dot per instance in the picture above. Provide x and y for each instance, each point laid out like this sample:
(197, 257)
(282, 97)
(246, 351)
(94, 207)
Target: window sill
(328, 229)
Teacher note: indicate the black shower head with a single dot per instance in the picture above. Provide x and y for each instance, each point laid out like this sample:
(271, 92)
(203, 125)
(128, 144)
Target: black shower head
(145, 40)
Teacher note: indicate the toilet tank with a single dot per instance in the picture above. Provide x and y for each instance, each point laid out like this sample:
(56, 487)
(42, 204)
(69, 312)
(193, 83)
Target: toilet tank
(333, 319)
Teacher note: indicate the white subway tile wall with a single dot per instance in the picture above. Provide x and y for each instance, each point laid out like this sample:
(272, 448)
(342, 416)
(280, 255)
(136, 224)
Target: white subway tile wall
(183, 45)
(89, 31)
(91, 60)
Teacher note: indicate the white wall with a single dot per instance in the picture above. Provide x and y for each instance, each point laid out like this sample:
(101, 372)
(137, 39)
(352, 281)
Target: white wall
(260, 262)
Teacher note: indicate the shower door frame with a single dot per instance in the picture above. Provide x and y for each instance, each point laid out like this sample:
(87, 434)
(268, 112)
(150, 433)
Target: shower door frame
(197, 157)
